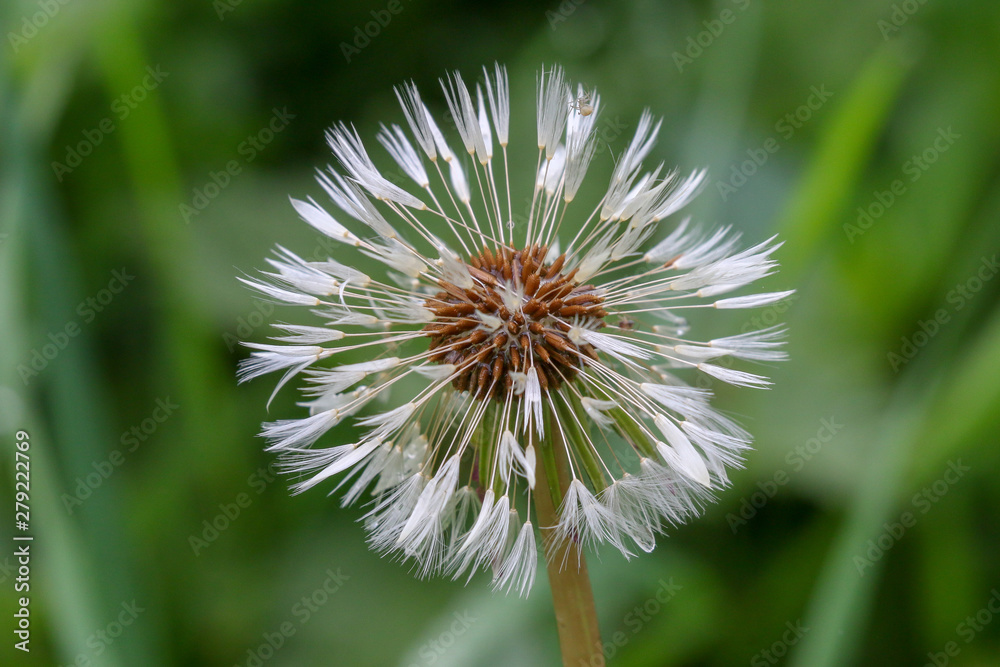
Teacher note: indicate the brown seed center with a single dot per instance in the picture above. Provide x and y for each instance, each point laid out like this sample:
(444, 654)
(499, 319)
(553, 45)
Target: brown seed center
(516, 316)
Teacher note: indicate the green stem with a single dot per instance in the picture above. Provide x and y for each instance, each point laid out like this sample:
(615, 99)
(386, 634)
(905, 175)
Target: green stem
(573, 416)
(572, 596)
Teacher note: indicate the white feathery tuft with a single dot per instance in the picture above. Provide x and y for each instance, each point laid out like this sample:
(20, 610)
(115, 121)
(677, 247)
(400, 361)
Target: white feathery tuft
(519, 567)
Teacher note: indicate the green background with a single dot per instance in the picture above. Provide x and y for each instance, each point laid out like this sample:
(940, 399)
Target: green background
(889, 285)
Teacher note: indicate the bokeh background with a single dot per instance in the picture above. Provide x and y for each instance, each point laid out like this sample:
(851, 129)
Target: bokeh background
(863, 530)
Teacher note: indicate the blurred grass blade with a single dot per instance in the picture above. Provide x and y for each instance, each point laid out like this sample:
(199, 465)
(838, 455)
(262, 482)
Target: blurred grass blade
(844, 149)
(838, 611)
(68, 586)
(183, 315)
(972, 392)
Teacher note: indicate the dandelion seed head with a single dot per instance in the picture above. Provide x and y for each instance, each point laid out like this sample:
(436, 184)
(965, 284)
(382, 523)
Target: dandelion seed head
(488, 352)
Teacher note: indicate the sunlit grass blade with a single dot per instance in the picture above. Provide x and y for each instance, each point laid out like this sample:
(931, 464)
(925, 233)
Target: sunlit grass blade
(846, 146)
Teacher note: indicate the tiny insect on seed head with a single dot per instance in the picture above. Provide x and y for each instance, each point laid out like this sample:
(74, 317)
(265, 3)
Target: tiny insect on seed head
(582, 105)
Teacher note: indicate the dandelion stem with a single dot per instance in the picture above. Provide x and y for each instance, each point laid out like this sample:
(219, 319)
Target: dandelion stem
(572, 596)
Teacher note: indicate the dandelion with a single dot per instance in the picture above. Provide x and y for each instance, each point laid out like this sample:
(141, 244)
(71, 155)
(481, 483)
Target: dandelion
(511, 359)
